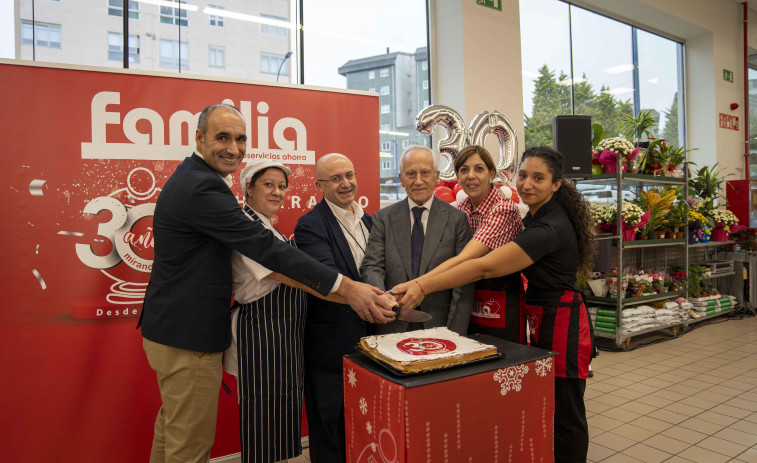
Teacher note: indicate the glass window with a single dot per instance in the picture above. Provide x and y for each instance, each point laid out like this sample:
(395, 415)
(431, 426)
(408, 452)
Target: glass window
(658, 84)
(385, 90)
(116, 47)
(116, 8)
(270, 64)
(373, 89)
(425, 85)
(217, 56)
(371, 74)
(386, 165)
(47, 35)
(213, 19)
(177, 16)
(386, 146)
(384, 72)
(385, 109)
(385, 127)
(405, 143)
(424, 65)
(273, 29)
(174, 54)
(587, 66)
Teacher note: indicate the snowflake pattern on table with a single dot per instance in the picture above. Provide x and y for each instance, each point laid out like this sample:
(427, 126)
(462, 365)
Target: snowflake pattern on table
(363, 405)
(369, 427)
(510, 378)
(543, 366)
(352, 378)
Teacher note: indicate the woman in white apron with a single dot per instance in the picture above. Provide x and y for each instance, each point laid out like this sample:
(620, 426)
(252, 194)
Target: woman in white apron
(267, 332)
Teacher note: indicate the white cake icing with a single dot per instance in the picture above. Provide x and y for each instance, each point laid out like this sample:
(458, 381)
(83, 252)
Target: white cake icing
(387, 345)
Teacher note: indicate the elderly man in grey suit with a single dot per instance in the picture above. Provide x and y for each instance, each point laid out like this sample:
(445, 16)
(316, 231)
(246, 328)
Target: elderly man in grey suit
(411, 237)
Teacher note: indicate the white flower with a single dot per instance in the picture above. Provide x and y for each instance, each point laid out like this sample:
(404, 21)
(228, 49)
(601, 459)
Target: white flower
(619, 145)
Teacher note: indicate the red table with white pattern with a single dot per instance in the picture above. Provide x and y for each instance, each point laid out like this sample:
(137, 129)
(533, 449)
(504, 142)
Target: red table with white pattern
(499, 410)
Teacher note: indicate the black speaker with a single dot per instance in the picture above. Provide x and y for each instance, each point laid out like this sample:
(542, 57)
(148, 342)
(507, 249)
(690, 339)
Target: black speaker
(571, 135)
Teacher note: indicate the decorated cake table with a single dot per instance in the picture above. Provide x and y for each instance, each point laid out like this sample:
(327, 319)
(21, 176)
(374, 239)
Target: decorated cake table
(494, 410)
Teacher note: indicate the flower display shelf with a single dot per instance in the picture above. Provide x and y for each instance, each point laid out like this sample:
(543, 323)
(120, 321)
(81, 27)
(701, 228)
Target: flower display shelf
(634, 300)
(638, 179)
(637, 243)
(712, 243)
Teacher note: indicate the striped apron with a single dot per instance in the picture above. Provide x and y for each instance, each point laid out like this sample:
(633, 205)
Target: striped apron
(269, 341)
(563, 326)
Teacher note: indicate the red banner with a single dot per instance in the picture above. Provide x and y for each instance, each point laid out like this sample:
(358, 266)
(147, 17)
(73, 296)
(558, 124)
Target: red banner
(87, 153)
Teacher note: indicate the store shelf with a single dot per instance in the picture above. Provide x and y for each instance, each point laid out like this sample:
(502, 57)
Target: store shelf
(654, 243)
(626, 301)
(712, 243)
(707, 317)
(722, 274)
(602, 334)
(633, 179)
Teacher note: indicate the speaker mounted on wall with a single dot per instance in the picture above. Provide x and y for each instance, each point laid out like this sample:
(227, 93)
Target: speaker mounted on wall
(571, 135)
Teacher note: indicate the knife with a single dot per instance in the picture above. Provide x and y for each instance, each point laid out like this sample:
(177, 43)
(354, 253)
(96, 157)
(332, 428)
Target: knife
(411, 315)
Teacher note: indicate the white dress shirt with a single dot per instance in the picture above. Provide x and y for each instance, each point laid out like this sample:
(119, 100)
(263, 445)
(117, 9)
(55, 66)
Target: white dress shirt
(424, 216)
(355, 231)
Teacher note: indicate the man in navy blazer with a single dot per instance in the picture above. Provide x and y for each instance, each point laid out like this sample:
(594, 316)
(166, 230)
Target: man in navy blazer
(185, 319)
(334, 233)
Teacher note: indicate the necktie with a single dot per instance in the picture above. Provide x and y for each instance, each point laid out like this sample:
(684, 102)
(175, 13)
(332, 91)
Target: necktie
(416, 240)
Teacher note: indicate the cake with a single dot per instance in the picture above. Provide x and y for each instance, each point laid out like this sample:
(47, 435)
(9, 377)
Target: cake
(424, 350)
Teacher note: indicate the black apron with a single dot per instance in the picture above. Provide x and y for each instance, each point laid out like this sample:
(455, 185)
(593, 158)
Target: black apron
(498, 309)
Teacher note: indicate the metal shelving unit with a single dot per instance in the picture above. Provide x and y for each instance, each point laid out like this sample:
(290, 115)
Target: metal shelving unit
(641, 246)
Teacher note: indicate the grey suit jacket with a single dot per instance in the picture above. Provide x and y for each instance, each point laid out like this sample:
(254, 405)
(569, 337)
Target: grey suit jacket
(387, 261)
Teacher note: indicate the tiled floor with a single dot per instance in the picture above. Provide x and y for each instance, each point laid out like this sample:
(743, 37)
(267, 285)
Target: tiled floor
(691, 399)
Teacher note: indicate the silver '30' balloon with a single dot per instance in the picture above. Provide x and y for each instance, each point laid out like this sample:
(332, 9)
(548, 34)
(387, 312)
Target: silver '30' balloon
(456, 139)
(495, 122)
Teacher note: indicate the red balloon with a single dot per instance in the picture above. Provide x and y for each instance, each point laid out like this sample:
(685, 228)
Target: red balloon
(444, 193)
(457, 189)
(515, 198)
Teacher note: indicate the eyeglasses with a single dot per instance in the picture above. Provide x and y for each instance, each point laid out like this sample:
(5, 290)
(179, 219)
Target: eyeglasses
(337, 179)
(425, 174)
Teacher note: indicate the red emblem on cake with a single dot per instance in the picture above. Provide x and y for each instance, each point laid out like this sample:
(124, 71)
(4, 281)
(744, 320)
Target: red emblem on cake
(425, 346)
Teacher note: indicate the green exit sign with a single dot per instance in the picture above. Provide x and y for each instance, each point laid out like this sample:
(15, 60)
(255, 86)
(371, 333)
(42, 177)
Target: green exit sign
(728, 75)
(495, 4)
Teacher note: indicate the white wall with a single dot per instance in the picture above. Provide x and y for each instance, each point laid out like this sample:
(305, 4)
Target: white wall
(476, 63)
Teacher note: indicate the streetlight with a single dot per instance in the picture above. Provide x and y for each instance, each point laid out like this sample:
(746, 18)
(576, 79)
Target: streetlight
(286, 57)
(579, 106)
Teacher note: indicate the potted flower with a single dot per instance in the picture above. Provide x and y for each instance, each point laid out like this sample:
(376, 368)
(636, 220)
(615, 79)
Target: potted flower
(603, 215)
(676, 160)
(723, 219)
(696, 222)
(677, 217)
(632, 219)
(706, 185)
(609, 150)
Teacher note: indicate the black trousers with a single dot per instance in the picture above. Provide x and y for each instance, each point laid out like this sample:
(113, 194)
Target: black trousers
(324, 404)
(571, 429)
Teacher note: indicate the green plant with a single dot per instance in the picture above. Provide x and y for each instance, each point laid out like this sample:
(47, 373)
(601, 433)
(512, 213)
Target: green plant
(696, 278)
(599, 134)
(635, 127)
(706, 185)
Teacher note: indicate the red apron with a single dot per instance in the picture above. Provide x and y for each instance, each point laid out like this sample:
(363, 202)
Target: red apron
(562, 325)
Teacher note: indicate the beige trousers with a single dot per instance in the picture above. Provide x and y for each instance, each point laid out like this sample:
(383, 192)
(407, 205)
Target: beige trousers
(189, 382)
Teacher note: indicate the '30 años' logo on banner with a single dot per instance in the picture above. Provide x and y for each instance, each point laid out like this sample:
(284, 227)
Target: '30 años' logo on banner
(128, 234)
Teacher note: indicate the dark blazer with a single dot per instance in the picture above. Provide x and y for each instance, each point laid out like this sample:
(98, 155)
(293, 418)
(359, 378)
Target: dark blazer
(332, 330)
(196, 225)
(388, 261)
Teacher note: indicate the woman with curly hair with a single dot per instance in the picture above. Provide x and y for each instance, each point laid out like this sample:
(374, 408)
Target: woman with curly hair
(556, 243)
